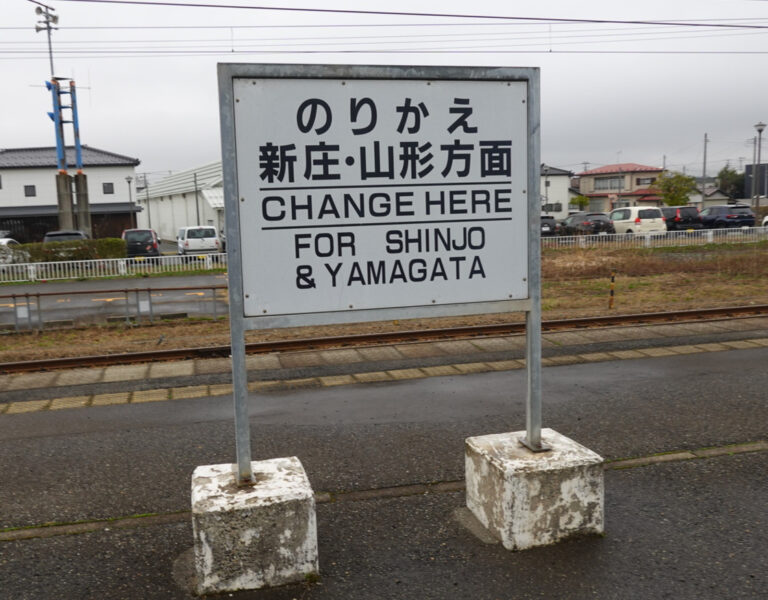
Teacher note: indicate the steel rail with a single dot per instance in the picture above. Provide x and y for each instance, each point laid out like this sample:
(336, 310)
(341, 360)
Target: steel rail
(384, 338)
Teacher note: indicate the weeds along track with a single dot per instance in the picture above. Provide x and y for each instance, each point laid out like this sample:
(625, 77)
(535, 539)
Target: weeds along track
(385, 338)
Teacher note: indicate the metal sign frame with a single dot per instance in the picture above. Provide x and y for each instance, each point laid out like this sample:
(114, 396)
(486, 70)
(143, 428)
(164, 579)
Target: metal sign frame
(228, 74)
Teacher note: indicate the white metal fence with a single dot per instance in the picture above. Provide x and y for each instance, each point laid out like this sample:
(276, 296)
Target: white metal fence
(121, 267)
(112, 267)
(660, 240)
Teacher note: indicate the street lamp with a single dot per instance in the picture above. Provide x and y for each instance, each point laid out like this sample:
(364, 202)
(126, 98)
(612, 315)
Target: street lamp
(760, 127)
(128, 180)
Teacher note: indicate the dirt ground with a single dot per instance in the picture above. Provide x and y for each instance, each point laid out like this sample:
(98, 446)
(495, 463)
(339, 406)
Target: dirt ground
(575, 284)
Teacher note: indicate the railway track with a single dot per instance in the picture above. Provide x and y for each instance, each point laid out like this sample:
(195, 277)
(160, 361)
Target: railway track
(386, 338)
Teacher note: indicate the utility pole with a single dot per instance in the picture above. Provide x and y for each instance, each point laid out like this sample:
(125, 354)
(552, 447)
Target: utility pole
(197, 202)
(760, 127)
(704, 171)
(754, 170)
(46, 24)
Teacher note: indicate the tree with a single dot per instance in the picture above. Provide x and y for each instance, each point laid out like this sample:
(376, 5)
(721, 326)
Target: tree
(731, 182)
(674, 188)
(581, 201)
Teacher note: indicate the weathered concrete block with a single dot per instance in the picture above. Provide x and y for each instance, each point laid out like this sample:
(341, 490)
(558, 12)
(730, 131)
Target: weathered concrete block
(256, 536)
(531, 499)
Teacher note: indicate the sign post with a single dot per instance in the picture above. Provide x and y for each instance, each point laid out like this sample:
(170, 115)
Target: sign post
(360, 193)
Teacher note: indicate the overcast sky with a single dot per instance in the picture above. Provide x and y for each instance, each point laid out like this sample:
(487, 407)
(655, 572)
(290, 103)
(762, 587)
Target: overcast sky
(641, 93)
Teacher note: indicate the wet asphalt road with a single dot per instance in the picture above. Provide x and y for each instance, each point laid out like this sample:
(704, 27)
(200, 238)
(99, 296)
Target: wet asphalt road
(695, 529)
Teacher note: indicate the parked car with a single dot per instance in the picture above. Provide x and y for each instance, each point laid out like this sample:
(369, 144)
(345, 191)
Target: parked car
(584, 223)
(65, 235)
(198, 240)
(682, 217)
(727, 215)
(141, 242)
(638, 219)
(765, 221)
(549, 225)
(9, 251)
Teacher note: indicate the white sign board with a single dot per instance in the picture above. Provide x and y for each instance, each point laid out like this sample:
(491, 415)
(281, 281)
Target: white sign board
(360, 194)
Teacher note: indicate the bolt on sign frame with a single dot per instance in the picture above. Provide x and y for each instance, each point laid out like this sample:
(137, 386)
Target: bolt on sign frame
(369, 193)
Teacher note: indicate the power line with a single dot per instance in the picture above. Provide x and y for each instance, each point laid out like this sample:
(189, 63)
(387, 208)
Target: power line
(228, 52)
(562, 38)
(338, 11)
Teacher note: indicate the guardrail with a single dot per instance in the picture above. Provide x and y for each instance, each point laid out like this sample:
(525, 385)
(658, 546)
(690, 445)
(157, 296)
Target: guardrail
(660, 240)
(112, 267)
(34, 310)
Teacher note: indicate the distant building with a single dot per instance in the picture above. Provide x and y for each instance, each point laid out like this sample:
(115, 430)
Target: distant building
(625, 184)
(556, 192)
(191, 197)
(28, 202)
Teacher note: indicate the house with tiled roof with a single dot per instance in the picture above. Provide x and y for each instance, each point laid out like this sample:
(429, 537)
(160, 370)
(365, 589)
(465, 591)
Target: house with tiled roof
(28, 200)
(624, 184)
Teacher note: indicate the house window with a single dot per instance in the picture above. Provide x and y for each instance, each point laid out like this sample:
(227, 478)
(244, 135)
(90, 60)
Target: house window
(1, 182)
(30, 191)
(645, 180)
(608, 183)
(108, 188)
(553, 207)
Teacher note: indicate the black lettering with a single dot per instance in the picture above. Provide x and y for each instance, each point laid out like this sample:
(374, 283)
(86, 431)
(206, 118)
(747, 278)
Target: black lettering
(381, 209)
(437, 202)
(480, 198)
(280, 215)
(376, 272)
(397, 273)
(417, 269)
(328, 207)
(403, 204)
(457, 260)
(296, 207)
(356, 275)
(394, 241)
(298, 242)
(476, 268)
(438, 270)
(476, 238)
(501, 203)
(333, 272)
(458, 201)
(349, 202)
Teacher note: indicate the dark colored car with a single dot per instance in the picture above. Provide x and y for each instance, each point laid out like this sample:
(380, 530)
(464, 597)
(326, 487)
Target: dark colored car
(680, 218)
(549, 225)
(584, 223)
(65, 235)
(141, 242)
(728, 215)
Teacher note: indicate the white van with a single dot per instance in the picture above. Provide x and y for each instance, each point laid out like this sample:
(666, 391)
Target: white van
(198, 240)
(638, 219)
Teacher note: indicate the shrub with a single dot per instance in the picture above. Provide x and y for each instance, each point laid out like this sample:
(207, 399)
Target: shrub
(75, 250)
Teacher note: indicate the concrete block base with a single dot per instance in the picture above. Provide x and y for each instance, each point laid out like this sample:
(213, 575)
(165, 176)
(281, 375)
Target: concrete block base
(529, 499)
(256, 536)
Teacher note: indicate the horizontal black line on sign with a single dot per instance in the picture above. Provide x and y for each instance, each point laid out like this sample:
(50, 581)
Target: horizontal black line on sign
(380, 185)
(387, 224)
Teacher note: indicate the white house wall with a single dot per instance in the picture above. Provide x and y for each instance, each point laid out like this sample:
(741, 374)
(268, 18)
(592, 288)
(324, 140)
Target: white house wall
(557, 192)
(44, 180)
